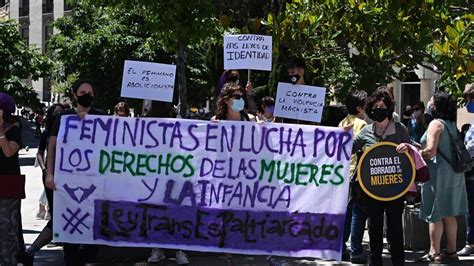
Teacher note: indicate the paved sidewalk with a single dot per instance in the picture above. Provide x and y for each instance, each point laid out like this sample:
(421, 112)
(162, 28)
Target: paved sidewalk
(129, 256)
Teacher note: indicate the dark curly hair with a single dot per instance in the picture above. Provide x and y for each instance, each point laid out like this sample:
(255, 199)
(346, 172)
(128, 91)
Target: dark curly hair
(381, 93)
(445, 105)
(226, 94)
(355, 98)
(266, 101)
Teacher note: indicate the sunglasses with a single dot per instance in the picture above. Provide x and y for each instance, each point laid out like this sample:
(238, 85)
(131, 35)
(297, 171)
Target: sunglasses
(237, 96)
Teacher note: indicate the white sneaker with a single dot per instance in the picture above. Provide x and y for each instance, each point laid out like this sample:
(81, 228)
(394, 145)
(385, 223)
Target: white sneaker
(181, 258)
(157, 255)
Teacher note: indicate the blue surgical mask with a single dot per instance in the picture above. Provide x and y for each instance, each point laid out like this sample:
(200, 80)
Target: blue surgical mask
(470, 106)
(238, 105)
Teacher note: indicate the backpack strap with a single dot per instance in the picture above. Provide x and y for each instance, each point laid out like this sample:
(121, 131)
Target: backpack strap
(451, 141)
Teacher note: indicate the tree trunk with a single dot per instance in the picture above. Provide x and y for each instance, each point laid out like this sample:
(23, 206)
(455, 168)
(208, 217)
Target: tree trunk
(181, 68)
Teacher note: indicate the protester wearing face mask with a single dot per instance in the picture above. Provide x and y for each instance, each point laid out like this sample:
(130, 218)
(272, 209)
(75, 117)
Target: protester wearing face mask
(266, 110)
(444, 196)
(417, 124)
(230, 106)
(380, 108)
(231, 103)
(295, 69)
(469, 141)
(84, 95)
(234, 76)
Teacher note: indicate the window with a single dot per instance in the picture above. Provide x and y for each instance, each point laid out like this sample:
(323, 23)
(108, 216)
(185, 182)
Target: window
(24, 8)
(48, 6)
(48, 32)
(66, 6)
(24, 32)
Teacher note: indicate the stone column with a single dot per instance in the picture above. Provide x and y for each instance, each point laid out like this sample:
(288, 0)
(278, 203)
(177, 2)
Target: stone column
(36, 37)
(426, 90)
(15, 9)
(58, 12)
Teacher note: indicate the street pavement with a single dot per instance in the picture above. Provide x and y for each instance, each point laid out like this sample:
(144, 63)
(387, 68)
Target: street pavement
(53, 255)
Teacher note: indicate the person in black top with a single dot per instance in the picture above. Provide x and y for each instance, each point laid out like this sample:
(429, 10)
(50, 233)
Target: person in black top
(10, 220)
(46, 234)
(83, 92)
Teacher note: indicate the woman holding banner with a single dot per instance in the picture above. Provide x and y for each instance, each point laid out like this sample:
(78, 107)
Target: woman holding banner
(230, 106)
(380, 109)
(231, 103)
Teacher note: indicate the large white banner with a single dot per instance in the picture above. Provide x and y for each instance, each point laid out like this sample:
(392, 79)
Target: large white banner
(301, 102)
(235, 187)
(248, 51)
(149, 81)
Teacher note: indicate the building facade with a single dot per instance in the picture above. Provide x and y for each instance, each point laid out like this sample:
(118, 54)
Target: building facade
(420, 86)
(35, 19)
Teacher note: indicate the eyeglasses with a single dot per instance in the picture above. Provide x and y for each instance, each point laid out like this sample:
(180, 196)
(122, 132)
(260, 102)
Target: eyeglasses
(237, 96)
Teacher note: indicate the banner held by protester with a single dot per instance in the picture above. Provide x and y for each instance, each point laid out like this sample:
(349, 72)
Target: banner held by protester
(149, 81)
(232, 187)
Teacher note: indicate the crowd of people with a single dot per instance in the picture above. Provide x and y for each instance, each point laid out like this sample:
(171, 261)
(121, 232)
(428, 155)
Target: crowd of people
(426, 131)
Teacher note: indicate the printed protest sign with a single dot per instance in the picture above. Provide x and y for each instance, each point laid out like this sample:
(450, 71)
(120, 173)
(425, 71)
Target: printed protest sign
(299, 102)
(248, 51)
(234, 187)
(149, 81)
(384, 174)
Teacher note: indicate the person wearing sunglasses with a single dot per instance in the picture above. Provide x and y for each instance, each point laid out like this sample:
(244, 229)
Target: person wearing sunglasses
(231, 104)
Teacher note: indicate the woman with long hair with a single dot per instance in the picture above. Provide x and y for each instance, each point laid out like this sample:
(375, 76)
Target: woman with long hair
(444, 196)
(231, 103)
(230, 106)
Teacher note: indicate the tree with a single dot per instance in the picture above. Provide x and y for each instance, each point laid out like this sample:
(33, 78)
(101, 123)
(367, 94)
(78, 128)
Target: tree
(94, 42)
(177, 23)
(387, 34)
(17, 62)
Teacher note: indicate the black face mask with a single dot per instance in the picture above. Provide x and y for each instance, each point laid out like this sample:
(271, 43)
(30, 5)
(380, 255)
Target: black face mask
(85, 100)
(233, 78)
(379, 114)
(294, 78)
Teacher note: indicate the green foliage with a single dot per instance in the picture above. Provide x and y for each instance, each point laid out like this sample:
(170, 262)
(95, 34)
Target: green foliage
(94, 42)
(17, 62)
(386, 33)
